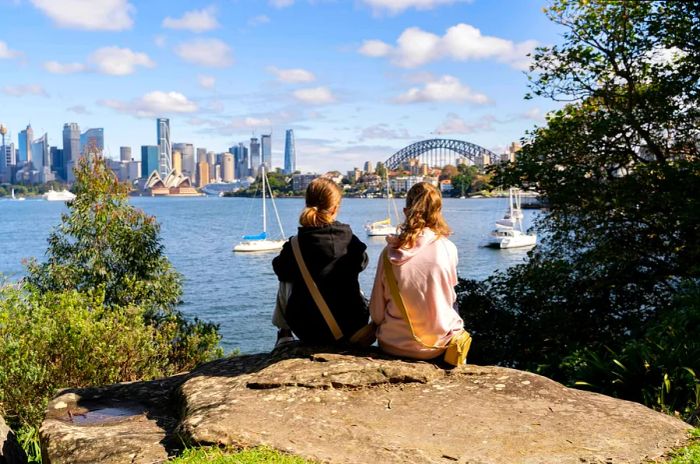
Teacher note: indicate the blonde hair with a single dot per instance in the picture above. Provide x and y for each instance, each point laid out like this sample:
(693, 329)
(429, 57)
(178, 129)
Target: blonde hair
(322, 198)
(423, 209)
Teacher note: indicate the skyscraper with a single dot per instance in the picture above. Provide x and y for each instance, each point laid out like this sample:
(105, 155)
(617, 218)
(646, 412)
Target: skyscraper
(125, 154)
(177, 162)
(149, 160)
(254, 155)
(8, 155)
(290, 152)
(240, 156)
(164, 147)
(71, 148)
(41, 158)
(203, 167)
(266, 151)
(227, 171)
(26, 137)
(92, 142)
(188, 161)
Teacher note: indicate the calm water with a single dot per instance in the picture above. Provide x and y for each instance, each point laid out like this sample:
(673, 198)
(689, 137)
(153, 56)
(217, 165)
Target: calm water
(238, 291)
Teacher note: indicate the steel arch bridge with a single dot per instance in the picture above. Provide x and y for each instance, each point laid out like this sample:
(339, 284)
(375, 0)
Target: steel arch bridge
(439, 152)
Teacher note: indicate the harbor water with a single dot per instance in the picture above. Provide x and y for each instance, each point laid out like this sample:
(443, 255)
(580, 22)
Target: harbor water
(237, 290)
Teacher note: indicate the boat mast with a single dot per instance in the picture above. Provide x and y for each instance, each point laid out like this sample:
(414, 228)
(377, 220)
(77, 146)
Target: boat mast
(263, 198)
(388, 198)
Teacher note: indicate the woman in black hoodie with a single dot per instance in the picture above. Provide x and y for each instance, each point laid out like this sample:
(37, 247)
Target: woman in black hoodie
(334, 257)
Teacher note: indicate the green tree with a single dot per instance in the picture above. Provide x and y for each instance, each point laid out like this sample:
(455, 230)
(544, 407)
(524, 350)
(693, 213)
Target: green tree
(105, 245)
(462, 182)
(619, 166)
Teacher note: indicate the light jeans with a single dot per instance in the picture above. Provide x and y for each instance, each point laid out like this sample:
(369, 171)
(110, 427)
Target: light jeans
(283, 293)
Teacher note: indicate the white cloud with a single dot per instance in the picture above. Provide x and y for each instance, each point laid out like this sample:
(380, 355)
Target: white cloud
(375, 48)
(119, 61)
(78, 109)
(24, 90)
(463, 42)
(214, 53)
(160, 41)
(383, 131)
(294, 75)
(314, 95)
(445, 89)
(454, 124)
(207, 82)
(534, 114)
(6, 52)
(258, 20)
(55, 67)
(95, 15)
(281, 3)
(398, 6)
(195, 20)
(153, 104)
(253, 122)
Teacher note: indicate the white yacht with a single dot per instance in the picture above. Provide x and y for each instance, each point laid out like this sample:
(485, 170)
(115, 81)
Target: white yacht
(509, 230)
(63, 195)
(260, 242)
(17, 198)
(384, 227)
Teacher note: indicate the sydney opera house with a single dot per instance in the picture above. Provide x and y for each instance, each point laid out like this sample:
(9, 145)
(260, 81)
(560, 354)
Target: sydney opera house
(174, 184)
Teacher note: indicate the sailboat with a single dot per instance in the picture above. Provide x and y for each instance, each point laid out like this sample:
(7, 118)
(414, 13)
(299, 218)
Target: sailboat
(383, 227)
(260, 242)
(16, 198)
(509, 230)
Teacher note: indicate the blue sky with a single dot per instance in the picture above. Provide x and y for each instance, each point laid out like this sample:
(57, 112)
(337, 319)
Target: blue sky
(356, 79)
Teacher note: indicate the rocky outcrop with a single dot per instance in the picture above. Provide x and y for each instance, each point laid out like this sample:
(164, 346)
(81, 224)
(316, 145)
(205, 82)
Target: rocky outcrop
(10, 451)
(356, 407)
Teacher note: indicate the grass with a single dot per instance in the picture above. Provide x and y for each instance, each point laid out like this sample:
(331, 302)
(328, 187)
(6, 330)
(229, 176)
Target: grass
(231, 456)
(688, 455)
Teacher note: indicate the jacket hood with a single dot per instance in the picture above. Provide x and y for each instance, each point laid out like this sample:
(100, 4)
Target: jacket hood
(399, 256)
(331, 240)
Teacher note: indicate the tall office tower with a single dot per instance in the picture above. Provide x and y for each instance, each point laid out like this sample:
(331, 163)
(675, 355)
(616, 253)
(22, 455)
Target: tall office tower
(254, 155)
(165, 155)
(177, 162)
(240, 154)
(290, 152)
(211, 159)
(125, 154)
(188, 161)
(26, 137)
(41, 158)
(201, 155)
(71, 145)
(56, 155)
(369, 167)
(203, 174)
(228, 170)
(266, 151)
(92, 142)
(149, 160)
(8, 155)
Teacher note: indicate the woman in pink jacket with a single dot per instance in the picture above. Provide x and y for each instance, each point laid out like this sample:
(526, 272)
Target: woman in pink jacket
(424, 262)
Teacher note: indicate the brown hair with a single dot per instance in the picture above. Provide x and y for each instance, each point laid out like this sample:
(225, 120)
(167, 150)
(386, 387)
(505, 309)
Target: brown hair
(322, 197)
(423, 209)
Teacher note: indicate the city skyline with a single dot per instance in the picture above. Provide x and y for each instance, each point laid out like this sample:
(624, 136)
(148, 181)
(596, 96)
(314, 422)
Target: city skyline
(354, 80)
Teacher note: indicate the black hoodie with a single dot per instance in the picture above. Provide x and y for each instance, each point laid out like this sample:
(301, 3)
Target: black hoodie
(335, 257)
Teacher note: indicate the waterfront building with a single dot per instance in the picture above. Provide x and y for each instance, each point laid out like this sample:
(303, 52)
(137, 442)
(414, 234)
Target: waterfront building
(164, 147)
(26, 137)
(290, 152)
(92, 141)
(354, 175)
(228, 171)
(240, 156)
(41, 159)
(403, 184)
(125, 154)
(188, 161)
(254, 155)
(71, 148)
(266, 151)
(177, 162)
(133, 170)
(8, 155)
(203, 173)
(211, 160)
(149, 160)
(201, 155)
(301, 181)
(56, 155)
(172, 185)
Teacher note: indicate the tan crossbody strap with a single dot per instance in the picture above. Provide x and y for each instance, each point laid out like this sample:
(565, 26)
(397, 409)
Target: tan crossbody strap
(398, 300)
(315, 293)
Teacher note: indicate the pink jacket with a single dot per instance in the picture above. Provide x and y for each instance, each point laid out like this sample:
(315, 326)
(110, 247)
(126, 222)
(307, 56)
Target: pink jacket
(426, 276)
